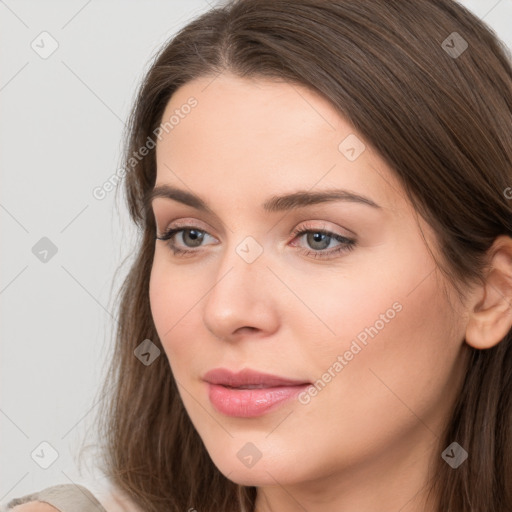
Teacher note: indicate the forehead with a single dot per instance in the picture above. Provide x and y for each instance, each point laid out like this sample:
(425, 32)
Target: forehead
(250, 134)
(245, 112)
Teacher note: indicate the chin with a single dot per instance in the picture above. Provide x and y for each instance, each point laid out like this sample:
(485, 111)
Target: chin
(263, 470)
(256, 477)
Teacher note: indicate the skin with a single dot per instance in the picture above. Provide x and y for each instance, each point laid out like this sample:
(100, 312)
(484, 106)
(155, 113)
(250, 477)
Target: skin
(366, 440)
(35, 506)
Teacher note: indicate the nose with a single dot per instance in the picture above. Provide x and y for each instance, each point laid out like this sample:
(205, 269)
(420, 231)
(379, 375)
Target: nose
(242, 300)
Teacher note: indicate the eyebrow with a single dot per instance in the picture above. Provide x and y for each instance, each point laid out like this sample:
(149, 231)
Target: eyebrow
(298, 199)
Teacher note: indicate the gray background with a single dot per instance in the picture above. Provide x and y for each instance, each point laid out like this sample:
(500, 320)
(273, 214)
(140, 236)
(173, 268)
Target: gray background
(60, 137)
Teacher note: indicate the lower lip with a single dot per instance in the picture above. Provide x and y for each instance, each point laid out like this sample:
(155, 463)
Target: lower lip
(250, 403)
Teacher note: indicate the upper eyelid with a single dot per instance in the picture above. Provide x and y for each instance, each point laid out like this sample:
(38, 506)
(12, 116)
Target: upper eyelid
(175, 224)
(296, 231)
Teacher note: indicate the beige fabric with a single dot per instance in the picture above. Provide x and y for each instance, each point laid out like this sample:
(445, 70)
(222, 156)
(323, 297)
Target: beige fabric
(75, 498)
(64, 497)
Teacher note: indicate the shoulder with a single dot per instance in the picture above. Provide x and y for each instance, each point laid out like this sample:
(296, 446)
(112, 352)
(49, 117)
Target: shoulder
(71, 498)
(63, 498)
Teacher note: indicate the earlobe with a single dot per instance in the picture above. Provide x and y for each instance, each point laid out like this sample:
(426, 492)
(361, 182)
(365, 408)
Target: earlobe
(490, 319)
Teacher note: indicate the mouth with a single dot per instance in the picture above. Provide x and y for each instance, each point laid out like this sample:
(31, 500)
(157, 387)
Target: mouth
(248, 394)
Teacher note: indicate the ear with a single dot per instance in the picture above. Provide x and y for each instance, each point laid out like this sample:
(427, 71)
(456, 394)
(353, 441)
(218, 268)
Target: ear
(490, 316)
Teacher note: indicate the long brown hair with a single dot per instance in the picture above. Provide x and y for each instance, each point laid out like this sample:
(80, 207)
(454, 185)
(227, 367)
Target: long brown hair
(429, 85)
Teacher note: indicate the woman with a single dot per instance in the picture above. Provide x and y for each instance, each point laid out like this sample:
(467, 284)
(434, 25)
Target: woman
(319, 314)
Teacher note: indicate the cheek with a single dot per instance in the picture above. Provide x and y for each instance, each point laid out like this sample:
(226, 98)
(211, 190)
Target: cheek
(172, 308)
(392, 330)
(390, 299)
(399, 354)
(361, 301)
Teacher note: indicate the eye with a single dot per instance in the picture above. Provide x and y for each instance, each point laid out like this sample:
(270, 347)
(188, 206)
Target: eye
(318, 239)
(191, 236)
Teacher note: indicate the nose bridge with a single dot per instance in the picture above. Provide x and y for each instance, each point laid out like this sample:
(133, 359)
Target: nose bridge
(240, 297)
(244, 261)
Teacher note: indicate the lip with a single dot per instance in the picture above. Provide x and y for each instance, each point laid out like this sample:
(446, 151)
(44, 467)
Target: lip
(226, 395)
(248, 377)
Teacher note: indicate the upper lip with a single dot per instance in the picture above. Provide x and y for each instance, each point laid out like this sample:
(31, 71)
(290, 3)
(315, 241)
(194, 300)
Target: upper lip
(248, 377)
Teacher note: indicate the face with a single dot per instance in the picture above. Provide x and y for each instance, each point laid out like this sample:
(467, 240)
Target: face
(339, 297)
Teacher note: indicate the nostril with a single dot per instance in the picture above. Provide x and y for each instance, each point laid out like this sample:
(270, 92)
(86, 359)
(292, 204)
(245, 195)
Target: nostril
(242, 330)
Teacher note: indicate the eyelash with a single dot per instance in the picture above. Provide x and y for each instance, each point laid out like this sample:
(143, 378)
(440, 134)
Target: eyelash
(347, 244)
